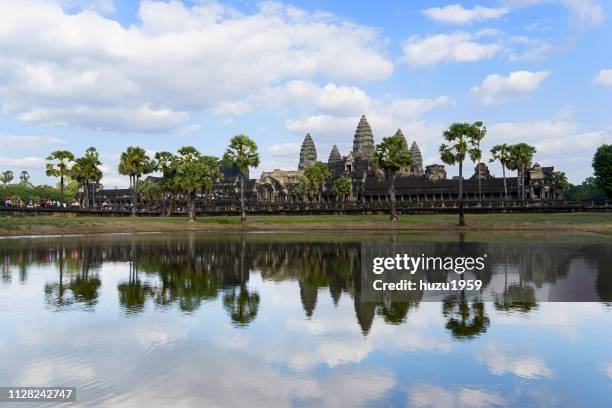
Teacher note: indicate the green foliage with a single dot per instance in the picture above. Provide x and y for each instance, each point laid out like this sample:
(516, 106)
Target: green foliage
(24, 178)
(392, 154)
(150, 190)
(59, 163)
(343, 187)
(586, 191)
(560, 179)
(602, 166)
(315, 177)
(242, 153)
(134, 162)
(6, 177)
(35, 193)
(501, 153)
(196, 173)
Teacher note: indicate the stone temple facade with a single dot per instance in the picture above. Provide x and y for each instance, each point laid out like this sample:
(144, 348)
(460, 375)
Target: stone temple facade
(413, 183)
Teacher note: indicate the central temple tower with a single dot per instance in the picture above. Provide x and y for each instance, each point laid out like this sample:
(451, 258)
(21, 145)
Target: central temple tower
(363, 143)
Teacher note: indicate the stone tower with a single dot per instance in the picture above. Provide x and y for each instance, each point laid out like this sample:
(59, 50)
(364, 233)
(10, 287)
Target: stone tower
(401, 134)
(308, 153)
(417, 160)
(363, 143)
(334, 155)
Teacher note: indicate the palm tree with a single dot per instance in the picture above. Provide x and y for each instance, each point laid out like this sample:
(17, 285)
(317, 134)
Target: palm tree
(522, 155)
(390, 156)
(195, 173)
(461, 138)
(501, 152)
(24, 178)
(6, 177)
(316, 176)
(242, 153)
(480, 131)
(561, 182)
(166, 163)
(87, 173)
(134, 162)
(59, 166)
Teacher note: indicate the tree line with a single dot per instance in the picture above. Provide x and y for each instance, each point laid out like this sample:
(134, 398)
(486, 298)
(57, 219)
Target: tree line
(189, 172)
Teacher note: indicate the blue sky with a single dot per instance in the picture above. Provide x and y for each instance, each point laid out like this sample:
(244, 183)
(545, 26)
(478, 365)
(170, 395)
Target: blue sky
(77, 73)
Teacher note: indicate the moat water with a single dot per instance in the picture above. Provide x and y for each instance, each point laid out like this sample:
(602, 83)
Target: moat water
(266, 320)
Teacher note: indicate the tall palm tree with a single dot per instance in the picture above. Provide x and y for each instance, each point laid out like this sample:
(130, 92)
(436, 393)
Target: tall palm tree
(195, 173)
(242, 153)
(390, 156)
(59, 166)
(561, 182)
(522, 156)
(166, 163)
(24, 178)
(480, 131)
(134, 162)
(87, 173)
(501, 152)
(460, 138)
(6, 177)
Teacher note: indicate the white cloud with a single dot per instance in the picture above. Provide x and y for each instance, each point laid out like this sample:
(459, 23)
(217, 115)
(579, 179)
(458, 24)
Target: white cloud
(607, 368)
(29, 142)
(291, 150)
(523, 48)
(585, 13)
(456, 47)
(428, 395)
(457, 14)
(87, 70)
(501, 360)
(604, 77)
(496, 88)
(23, 163)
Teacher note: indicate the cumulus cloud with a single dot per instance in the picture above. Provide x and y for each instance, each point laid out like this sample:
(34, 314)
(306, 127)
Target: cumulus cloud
(284, 150)
(462, 46)
(456, 47)
(496, 88)
(83, 69)
(604, 77)
(23, 163)
(457, 14)
(29, 142)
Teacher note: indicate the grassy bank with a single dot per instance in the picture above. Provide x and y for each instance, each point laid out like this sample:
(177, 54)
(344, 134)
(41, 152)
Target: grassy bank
(565, 222)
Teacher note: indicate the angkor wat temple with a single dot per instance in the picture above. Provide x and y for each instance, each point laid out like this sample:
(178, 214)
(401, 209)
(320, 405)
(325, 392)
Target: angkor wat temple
(415, 183)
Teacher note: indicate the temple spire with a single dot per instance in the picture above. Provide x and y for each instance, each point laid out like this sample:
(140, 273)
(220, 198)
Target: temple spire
(417, 160)
(363, 143)
(308, 153)
(334, 155)
(401, 134)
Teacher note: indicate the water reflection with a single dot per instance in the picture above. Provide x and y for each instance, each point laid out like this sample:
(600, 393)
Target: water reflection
(170, 271)
(230, 320)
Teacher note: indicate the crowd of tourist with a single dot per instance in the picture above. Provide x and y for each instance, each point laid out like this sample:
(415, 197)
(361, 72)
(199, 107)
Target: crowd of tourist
(44, 203)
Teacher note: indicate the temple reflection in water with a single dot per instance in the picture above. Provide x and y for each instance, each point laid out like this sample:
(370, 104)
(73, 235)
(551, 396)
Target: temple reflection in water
(167, 271)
